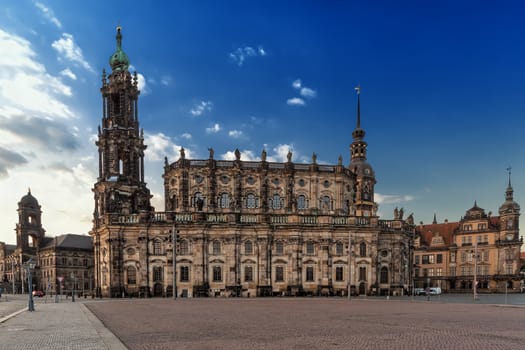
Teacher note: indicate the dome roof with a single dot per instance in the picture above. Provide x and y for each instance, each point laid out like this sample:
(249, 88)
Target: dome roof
(119, 60)
(29, 201)
(361, 167)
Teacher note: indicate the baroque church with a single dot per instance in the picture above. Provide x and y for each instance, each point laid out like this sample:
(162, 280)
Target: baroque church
(236, 228)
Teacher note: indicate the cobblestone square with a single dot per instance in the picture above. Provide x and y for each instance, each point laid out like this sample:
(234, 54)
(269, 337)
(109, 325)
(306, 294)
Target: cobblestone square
(310, 323)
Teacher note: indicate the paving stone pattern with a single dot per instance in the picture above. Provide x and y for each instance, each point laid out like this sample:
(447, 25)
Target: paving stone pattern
(64, 325)
(311, 323)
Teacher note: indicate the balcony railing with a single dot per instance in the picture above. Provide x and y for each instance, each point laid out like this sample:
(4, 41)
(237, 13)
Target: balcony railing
(247, 218)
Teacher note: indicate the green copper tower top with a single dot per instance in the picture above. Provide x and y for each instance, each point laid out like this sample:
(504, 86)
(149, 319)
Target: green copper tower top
(119, 60)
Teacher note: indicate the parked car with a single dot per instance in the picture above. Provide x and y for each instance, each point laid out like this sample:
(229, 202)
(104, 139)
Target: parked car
(420, 291)
(434, 291)
(38, 293)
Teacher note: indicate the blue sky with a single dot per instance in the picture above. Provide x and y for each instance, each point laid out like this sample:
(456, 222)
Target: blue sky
(442, 94)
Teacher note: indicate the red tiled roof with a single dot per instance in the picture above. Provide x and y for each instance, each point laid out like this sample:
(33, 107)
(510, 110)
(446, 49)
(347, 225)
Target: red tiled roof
(445, 230)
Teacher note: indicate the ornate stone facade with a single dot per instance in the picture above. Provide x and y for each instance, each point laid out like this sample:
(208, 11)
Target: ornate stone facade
(238, 227)
(479, 248)
(67, 257)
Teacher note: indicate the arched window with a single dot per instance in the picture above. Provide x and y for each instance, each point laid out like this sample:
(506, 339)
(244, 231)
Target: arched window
(216, 247)
(251, 201)
(276, 201)
(132, 275)
(184, 246)
(339, 248)
(384, 275)
(301, 202)
(310, 248)
(279, 248)
(362, 249)
(224, 200)
(248, 248)
(198, 200)
(326, 203)
(157, 247)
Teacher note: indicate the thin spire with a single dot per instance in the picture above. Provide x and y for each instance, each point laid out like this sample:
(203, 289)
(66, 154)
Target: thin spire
(119, 38)
(509, 171)
(29, 190)
(358, 90)
(435, 219)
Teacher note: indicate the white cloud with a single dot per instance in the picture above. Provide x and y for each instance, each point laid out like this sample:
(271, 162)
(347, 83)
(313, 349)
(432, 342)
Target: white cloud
(245, 155)
(68, 73)
(186, 136)
(160, 146)
(141, 81)
(214, 129)
(166, 80)
(66, 47)
(241, 53)
(141, 84)
(296, 101)
(280, 153)
(392, 199)
(235, 133)
(48, 13)
(303, 90)
(307, 92)
(201, 107)
(17, 54)
(24, 83)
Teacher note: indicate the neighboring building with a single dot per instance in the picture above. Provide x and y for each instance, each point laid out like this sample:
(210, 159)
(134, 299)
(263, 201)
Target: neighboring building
(67, 256)
(480, 247)
(242, 227)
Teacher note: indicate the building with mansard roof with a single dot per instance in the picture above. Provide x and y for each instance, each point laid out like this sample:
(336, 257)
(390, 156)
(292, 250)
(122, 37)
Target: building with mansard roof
(68, 257)
(236, 228)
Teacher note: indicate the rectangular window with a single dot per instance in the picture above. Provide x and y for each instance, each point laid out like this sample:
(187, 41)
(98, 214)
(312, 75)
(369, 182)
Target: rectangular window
(248, 274)
(452, 271)
(439, 271)
(431, 259)
(217, 274)
(417, 259)
(453, 257)
(310, 248)
(430, 272)
(157, 274)
(424, 259)
(339, 273)
(279, 274)
(362, 273)
(509, 269)
(485, 255)
(417, 272)
(463, 257)
(184, 273)
(309, 274)
(439, 258)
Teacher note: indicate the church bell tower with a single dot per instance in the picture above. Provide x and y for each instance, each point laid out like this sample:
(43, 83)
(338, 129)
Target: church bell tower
(120, 188)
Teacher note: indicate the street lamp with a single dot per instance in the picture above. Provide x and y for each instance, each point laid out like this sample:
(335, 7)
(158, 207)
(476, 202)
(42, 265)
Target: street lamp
(73, 277)
(475, 286)
(174, 257)
(29, 266)
(350, 252)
